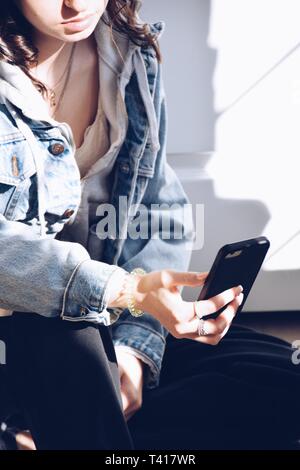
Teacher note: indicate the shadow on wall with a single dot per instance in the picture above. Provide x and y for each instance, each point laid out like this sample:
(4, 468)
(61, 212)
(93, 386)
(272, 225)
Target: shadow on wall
(230, 220)
(207, 115)
(189, 68)
(225, 221)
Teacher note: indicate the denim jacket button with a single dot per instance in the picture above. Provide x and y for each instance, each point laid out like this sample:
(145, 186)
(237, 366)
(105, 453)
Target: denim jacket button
(82, 311)
(56, 149)
(124, 167)
(67, 213)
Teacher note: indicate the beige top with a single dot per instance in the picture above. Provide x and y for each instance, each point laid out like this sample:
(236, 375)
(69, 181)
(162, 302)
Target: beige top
(95, 142)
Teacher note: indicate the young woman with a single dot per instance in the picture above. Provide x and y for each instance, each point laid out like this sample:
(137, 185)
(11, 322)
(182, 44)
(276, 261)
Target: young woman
(82, 148)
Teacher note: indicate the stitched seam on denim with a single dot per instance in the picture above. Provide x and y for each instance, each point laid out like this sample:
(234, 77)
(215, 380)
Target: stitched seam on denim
(87, 318)
(126, 322)
(68, 285)
(141, 346)
(11, 138)
(106, 291)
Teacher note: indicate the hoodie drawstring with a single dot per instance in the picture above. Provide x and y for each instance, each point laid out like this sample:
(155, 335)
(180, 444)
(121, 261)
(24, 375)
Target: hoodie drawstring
(36, 153)
(142, 79)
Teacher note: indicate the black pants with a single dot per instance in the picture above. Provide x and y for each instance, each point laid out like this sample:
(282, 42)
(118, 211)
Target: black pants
(242, 394)
(63, 378)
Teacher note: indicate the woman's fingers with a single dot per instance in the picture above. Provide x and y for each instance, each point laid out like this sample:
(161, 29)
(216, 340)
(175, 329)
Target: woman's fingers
(218, 326)
(206, 307)
(234, 306)
(183, 323)
(214, 327)
(168, 278)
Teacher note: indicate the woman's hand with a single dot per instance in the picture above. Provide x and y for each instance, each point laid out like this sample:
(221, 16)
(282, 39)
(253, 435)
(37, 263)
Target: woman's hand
(131, 380)
(157, 293)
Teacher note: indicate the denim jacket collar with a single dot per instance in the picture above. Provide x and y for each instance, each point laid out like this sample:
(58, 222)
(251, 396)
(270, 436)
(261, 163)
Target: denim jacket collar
(13, 83)
(110, 53)
(123, 56)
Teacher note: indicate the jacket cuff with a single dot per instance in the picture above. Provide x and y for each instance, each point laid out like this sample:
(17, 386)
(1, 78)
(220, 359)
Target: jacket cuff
(87, 293)
(145, 344)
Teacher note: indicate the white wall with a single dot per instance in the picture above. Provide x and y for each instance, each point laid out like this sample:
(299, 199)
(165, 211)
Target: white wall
(188, 67)
(232, 76)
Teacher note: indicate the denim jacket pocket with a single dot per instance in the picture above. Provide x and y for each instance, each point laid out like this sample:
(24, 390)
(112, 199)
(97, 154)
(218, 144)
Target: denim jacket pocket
(17, 170)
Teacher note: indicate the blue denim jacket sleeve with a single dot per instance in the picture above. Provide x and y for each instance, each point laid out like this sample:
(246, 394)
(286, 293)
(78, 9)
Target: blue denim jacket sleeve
(145, 335)
(51, 277)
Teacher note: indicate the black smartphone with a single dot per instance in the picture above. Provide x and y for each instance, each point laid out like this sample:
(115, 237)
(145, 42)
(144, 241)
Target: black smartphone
(236, 264)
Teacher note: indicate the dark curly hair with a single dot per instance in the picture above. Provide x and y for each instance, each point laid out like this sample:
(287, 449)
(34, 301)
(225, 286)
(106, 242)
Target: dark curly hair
(17, 48)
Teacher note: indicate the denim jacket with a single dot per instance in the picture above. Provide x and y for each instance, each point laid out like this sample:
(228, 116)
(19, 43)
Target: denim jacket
(40, 193)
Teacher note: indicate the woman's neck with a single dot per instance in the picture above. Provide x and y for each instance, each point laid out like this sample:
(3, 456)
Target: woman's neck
(52, 57)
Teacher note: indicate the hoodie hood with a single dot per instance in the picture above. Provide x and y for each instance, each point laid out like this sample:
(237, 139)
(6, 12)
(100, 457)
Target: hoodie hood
(17, 88)
(117, 53)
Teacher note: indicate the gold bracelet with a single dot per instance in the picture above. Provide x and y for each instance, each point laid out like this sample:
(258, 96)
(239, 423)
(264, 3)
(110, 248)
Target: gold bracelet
(135, 312)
